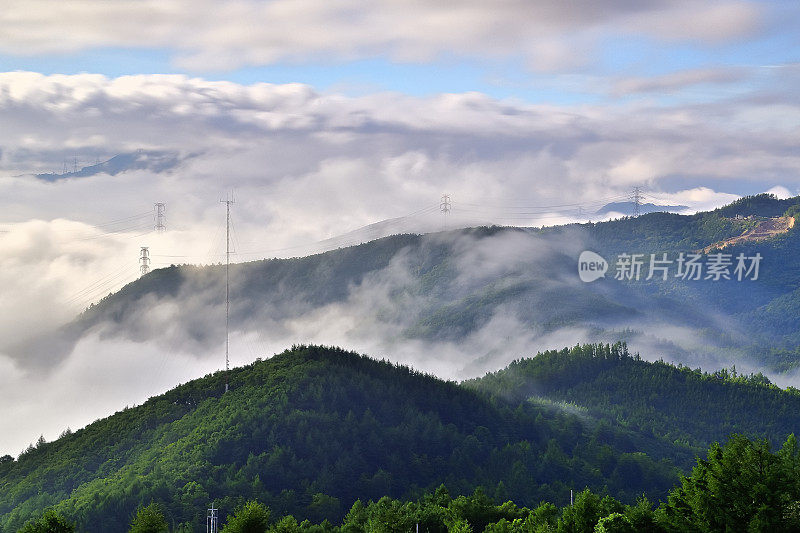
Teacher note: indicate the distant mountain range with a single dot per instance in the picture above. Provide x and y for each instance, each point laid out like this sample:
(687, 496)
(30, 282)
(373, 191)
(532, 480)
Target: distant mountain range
(627, 208)
(156, 161)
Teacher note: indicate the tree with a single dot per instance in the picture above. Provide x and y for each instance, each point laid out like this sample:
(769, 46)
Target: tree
(149, 519)
(50, 522)
(287, 524)
(642, 517)
(583, 516)
(614, 523)
(545, 515)
(740, 486)
(252, 517)
(388, 516)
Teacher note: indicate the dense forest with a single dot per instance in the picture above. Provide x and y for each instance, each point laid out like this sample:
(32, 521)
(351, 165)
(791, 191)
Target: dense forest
(683, 405)
(312, 430)
(740, 486)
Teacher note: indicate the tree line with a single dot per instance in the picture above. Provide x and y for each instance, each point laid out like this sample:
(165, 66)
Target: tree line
(740, 486)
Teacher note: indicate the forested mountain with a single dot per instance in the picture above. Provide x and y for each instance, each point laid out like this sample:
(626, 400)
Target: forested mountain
(742, 485)
(480, 297)
(682, 405)
(312, 430)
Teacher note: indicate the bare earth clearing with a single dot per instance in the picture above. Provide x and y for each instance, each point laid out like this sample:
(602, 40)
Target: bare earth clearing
(765, 229)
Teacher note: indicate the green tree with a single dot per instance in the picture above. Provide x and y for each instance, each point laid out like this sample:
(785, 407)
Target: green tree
(149, 519)
(50, 522)
(356, 518)
(642, 517)
(459, 525)
(543, 518)
(388, 516)
(582, 517)
(614, 523)
(323, 506)
(287, 524)
(741, 486)
(252, 517)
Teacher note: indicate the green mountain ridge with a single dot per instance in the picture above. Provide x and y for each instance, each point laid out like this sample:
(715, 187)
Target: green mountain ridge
(313, 429)
(675, 403)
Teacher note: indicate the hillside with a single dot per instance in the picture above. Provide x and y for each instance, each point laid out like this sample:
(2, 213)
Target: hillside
(763, 229)
(311, 430)
(676, 403)
(483, 296)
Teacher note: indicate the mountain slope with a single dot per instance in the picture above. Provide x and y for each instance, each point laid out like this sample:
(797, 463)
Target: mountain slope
(672, 402)
(479, 297)
(482, 296)
(310, 431)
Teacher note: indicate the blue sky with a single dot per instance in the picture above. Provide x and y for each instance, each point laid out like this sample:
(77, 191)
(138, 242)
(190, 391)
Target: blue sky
(589, 53)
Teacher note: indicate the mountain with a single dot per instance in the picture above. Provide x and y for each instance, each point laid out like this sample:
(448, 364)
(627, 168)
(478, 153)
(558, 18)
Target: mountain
(676, 403)
(311, 430)
(482, 297)
(153, 160)
(628, 208)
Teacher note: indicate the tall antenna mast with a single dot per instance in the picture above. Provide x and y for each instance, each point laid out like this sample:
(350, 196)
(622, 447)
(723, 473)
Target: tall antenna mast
(227, 285)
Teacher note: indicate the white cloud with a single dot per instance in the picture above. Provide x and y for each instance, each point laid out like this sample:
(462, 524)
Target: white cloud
(781, 192)
(208, 34)
(675, 81)
(700, 21)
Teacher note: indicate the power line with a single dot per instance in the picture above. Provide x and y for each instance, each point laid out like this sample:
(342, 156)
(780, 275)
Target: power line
(112, 284)
(605, 199)
(98, 284)
(348, 238)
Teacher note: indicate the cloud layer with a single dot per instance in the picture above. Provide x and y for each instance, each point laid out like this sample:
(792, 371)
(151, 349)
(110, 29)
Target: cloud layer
(205, 34)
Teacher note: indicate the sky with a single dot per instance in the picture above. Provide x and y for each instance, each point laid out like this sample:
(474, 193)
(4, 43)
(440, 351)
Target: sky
(320, 117)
